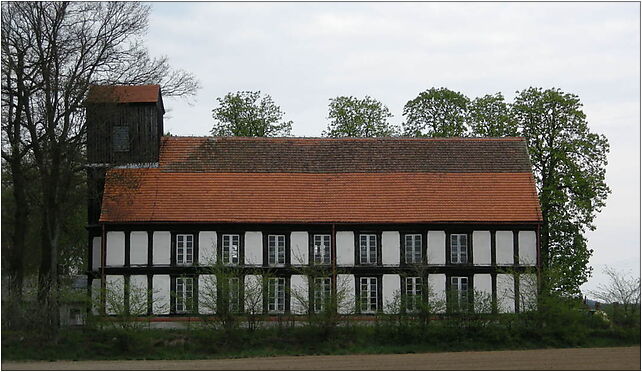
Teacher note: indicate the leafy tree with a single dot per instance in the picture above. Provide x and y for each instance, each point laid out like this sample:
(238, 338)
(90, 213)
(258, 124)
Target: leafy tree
(569, 165)
(354, 117)
(250, 115)
(436, 112)
(489, 116)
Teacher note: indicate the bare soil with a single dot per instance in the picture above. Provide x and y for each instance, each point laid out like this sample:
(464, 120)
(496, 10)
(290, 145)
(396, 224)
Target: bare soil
(619, 358)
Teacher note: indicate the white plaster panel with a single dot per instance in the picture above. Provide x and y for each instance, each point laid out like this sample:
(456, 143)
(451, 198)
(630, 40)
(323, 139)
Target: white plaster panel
(481, 248)
(115, 248)
(390, 248)
(527, 292)
(160, 294)
(527, 248)
(95, 296)
(207, 242)
(437, 292)
(115, 294)
(138, 294)
(253, 297)
(504, 248)
(162, 246)
(345, 248)
(299, 248)
(391, 293)
(206, 294)
(138, 248)
(95, 253)
(299, 294)
(436, 254)
(483, 287)
(254, 248)
(345, 293)
(505, 293)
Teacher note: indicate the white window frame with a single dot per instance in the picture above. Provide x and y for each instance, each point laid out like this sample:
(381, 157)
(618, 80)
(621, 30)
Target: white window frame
(230, 252)
(321, 252)
(276, 295)
(184, 249)
(184, 294)
(368, 249)
(234, 294)
(459, 248)
(368, 295)
(413, 249)
(414, 287)
(276, 251)
(322, 292)
(459, 286)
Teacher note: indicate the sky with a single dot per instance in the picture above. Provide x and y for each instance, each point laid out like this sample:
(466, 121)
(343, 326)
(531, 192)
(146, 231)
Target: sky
(303, 54)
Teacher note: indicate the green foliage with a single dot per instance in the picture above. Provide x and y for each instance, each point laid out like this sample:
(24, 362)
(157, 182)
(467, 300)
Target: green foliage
(569, 164)
(436, 112)
(489, 116)
(354, 117)
(249, 114)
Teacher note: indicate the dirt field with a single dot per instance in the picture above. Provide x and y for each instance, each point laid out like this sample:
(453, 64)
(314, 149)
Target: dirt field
(625, 358)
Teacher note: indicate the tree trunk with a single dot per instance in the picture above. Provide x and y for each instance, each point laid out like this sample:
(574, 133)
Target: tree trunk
(16, 256)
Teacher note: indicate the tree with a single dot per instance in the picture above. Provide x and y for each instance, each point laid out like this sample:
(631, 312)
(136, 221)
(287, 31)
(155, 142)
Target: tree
(436, 112)
(250, 115)
(489, 116)
(622, 289)
(51, 53)
(354, 117)
(569, 165)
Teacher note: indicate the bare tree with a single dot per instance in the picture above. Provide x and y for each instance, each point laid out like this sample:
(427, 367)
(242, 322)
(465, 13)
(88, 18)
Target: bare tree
(622, 289)
(51, 53)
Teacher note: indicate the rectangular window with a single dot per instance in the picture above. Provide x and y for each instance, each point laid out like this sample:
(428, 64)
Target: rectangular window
(120, 138)
(459, 293)
(368, 248)
(322, 293)
(233, 288)
(276, 295)
(413, 293)
(184, 292)
(230, 250)
(368, 295)
(458, 248)
(321, 249)
(276, 250)
(184, 249)
(413, 248)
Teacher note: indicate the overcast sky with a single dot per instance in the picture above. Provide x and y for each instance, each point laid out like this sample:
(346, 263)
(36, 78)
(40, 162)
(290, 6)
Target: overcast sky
(302, 54)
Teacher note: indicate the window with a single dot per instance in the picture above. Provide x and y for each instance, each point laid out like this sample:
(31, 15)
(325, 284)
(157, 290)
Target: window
(368, 248)
(184, 292)
(413, 248)
(368, 295)
(322, 293)
(321, 250)
(458, 248)
(184, 249)
(233, 288)
(231, 249)
(276, 295)
(413, 293)
(120, 138)
(459, 293)
(276, 250)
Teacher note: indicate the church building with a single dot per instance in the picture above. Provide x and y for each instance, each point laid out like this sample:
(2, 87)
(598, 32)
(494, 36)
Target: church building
(456, 219)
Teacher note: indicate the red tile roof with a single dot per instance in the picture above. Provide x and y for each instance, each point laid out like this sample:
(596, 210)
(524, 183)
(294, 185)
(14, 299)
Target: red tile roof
(289, 180)
(123, 94)
(153, 195)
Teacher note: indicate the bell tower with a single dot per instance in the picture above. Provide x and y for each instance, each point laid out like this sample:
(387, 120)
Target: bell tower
(124, 127)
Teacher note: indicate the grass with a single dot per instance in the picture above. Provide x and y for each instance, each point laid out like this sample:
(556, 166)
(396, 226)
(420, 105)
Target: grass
(95, 344)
